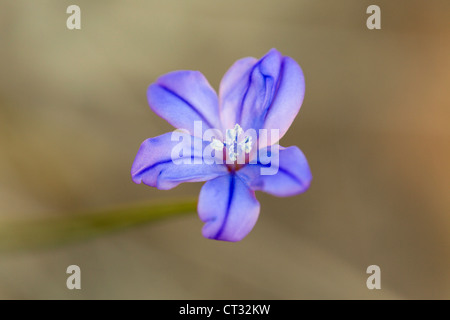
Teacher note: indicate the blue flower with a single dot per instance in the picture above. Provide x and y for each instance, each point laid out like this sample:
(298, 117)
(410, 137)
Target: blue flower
(256, 95)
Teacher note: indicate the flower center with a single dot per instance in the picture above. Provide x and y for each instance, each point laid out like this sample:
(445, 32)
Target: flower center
(235, 143)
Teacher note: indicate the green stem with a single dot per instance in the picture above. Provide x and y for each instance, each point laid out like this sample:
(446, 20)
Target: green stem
(25, 235)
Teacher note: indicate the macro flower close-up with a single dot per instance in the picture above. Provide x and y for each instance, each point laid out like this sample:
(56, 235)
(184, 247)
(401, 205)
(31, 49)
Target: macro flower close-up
(229, 140)
(224, 151)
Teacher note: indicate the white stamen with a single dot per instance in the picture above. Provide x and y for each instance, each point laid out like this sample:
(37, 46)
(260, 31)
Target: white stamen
(217, 145)
(235, 147)
(232, 154)
(246, 144)
(233, 134)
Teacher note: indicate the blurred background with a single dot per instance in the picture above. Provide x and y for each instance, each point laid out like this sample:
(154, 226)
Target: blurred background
(374, 126)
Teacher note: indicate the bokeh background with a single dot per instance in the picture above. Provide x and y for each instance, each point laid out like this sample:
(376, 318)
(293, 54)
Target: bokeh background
(374, 126)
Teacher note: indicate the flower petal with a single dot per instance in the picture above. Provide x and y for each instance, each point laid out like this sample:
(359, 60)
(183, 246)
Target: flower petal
(247, 89)
(265, 93)
(233, 86)
(154, 166)
(287, 100)
(182, 97)
(228, 207)
(293, 175)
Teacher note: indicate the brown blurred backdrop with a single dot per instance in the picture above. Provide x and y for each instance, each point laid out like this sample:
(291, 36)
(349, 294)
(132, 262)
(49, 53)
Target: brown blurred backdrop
(374, 126)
